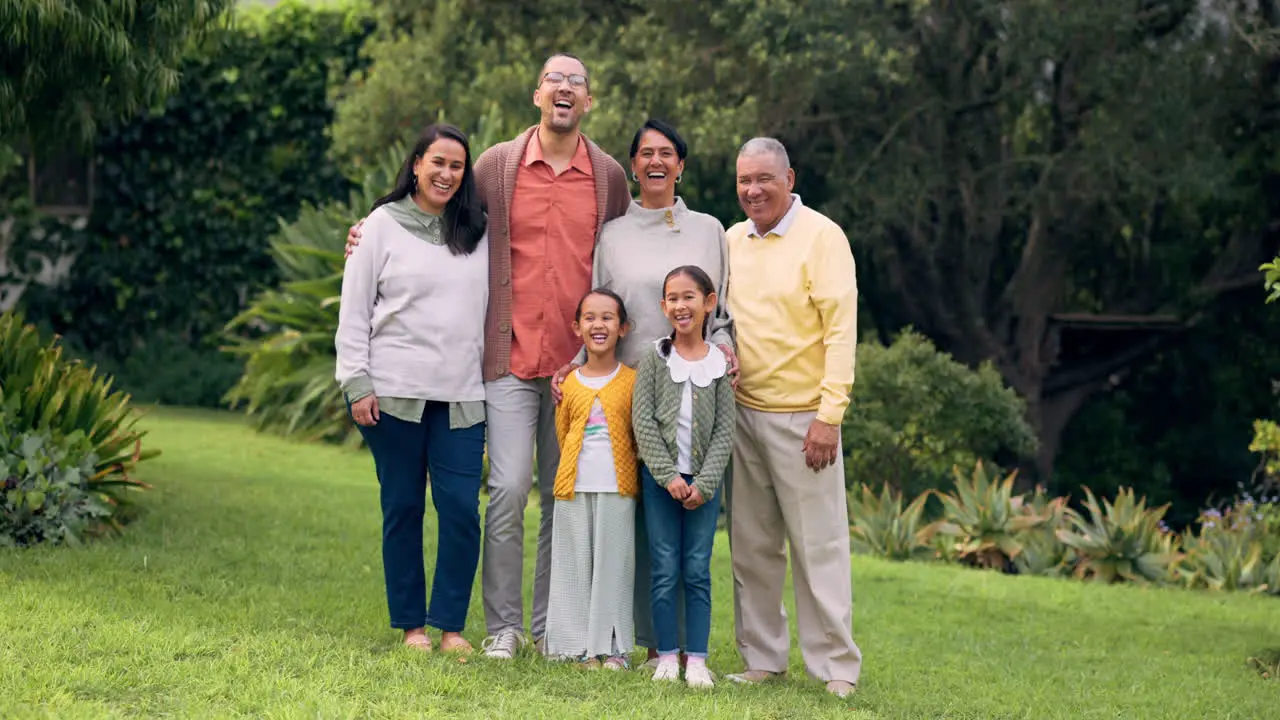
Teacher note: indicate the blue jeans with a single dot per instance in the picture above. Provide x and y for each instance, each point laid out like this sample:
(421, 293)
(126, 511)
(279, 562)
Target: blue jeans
(403, 452)
(680, 543)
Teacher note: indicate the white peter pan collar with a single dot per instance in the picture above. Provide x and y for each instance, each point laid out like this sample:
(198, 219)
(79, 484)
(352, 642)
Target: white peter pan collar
(703, 372)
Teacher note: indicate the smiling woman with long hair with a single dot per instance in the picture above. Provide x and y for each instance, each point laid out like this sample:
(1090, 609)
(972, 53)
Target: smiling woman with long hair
(410, 342)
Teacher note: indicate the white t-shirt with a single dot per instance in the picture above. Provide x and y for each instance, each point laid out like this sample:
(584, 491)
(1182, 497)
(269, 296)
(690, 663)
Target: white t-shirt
(596, 471)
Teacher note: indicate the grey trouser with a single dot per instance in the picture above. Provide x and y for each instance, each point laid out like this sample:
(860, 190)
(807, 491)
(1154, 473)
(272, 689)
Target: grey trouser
(520, 414)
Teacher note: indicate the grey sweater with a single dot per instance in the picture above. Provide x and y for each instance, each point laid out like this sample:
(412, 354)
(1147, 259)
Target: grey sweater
(634, 255)
(411, 318)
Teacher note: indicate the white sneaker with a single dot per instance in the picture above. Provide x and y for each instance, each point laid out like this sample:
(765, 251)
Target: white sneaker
(502, 646)
(668, 669)
(698, 676)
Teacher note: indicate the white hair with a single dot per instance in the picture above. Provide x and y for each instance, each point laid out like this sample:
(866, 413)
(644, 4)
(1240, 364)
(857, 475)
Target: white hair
(765, 146)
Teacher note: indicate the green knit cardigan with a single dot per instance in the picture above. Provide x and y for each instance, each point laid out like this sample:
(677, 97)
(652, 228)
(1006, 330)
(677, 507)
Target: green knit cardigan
(654, 405)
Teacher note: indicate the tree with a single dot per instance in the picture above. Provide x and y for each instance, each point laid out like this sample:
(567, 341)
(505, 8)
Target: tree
(1040, 184)
(69, 66)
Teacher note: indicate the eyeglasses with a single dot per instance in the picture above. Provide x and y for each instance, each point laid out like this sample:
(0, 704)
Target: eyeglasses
(555, 78)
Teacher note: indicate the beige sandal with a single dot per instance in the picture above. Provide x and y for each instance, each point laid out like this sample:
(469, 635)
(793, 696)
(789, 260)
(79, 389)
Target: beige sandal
(457, 646)
(419, 642)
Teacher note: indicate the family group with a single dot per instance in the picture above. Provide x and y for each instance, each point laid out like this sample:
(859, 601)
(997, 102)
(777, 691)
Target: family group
(652, 364)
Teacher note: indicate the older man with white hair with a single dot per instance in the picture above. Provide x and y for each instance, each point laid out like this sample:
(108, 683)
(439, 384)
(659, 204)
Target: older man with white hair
(795, 307)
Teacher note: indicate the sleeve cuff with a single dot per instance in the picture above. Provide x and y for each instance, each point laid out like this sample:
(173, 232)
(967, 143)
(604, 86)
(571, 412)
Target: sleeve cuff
(358, 387)
(831, 414)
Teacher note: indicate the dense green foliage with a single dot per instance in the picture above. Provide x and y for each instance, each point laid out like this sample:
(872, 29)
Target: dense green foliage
(68, 442)
(188, 194)
(68, 66)
(916, 413)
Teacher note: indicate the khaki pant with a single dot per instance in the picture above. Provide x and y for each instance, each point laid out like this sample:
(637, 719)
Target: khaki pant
(775, 500)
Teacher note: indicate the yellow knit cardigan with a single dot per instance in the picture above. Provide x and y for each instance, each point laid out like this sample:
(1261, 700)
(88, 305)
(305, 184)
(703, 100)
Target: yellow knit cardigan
(571, 423)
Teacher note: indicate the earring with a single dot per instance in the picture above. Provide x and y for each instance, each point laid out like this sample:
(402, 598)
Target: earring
(634, 177)
(413, 184)
(679, 178)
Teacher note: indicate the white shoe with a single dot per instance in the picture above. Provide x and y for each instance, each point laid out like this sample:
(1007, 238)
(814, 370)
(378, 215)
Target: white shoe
(502, 646)
(698, 676)
(668, 669)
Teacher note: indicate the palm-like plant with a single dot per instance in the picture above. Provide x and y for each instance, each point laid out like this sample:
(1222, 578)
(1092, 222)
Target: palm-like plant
(881, 526)
(985, 519)
(1120, 540)
(287, 335)
(42, 391)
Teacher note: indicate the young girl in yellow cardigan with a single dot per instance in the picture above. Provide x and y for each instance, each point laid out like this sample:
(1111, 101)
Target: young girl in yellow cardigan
(593, 532)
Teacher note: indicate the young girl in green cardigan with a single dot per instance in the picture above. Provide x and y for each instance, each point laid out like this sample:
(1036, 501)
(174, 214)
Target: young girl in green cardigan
(683, 414)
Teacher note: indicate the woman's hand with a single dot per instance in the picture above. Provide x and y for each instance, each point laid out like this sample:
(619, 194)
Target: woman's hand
(732, 359)
(365, 411)
(678, 488)
(694, 499)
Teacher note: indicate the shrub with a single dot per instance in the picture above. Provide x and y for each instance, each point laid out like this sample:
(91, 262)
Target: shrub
(985, 520)
(916, 413)
(881, 526)
(1121, 540)
(67, 441)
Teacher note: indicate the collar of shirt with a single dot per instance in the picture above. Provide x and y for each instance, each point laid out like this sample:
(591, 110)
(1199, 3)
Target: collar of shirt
(581, 159)
(783, 225)
(421, 224)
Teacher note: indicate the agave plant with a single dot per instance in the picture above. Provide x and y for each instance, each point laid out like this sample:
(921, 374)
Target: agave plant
(881, 526)
(985, 520)
(1042, 552)
(42, 392)
(1120, 541)
(1236, 549)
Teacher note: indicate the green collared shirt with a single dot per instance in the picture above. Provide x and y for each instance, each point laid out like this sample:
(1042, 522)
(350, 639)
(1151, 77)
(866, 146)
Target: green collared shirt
(428, 228)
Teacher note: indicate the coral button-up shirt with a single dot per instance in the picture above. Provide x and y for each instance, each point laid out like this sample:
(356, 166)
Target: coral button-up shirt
(553, 236)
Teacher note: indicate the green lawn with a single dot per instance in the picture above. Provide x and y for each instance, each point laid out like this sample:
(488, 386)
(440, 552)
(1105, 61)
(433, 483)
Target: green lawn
(251, 586)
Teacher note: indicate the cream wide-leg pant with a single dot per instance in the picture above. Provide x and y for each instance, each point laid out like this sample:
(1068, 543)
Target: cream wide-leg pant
(775, 500)
(589, 602)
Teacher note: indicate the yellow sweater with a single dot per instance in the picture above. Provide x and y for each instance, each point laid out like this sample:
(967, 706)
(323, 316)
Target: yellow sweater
(571, 423)
(795, 309)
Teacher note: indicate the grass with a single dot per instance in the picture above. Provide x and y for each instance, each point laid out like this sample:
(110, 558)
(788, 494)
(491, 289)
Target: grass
(251, 586)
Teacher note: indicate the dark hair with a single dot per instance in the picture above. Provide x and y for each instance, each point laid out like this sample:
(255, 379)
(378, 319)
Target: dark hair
(571, 56)
(606, 292)
(682, 148)
(704, 283)
(464, 219)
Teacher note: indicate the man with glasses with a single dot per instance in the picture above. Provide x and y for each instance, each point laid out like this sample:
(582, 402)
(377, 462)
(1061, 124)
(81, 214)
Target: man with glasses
(548, 192)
